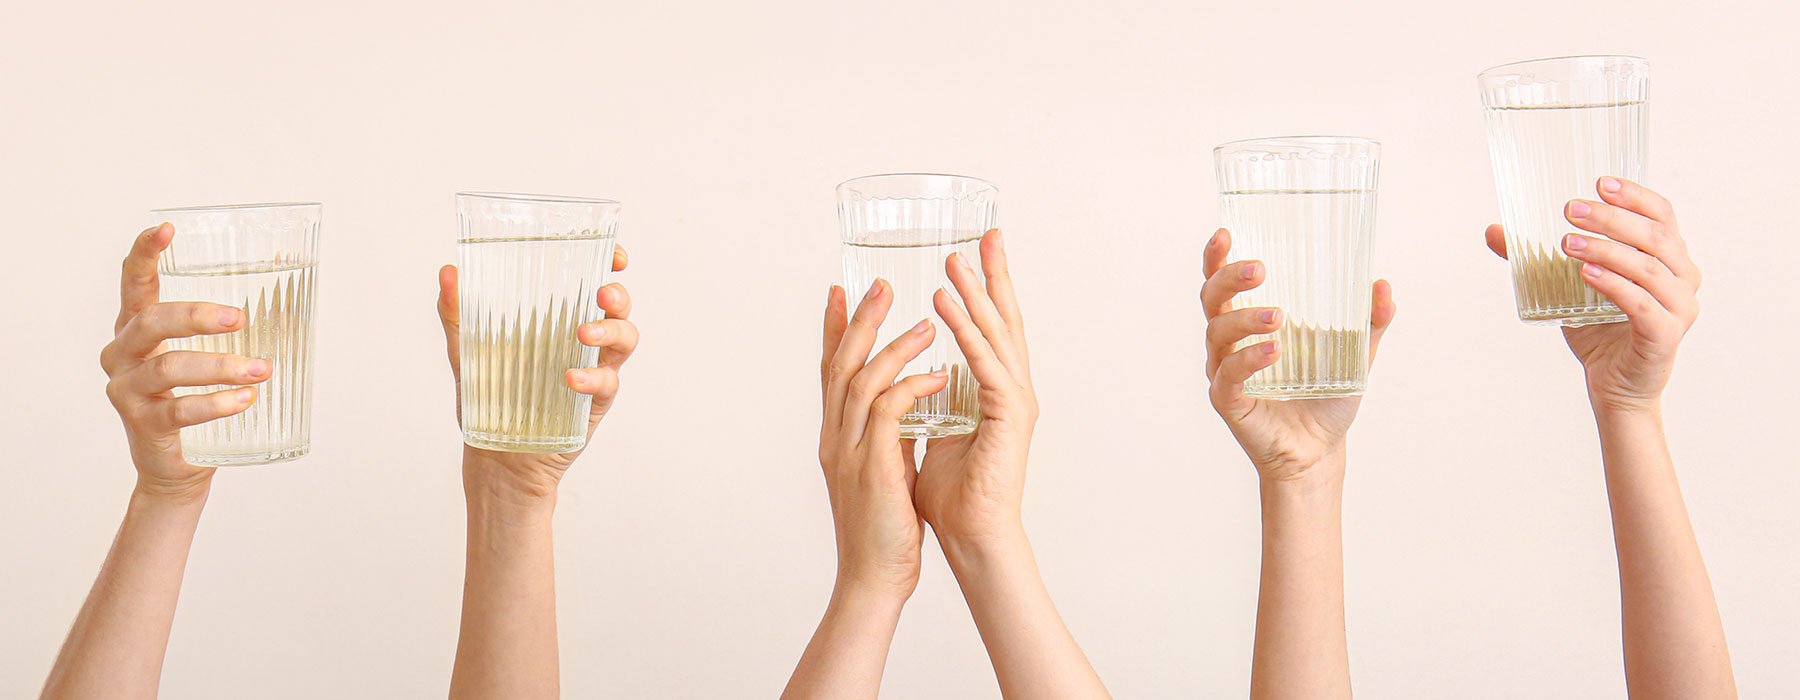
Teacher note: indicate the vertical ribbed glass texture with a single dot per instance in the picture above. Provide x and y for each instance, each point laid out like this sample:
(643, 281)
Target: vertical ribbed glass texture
(901, 228)
(530, 267)
(261, 258)
(1554, 127)
(1305, 207)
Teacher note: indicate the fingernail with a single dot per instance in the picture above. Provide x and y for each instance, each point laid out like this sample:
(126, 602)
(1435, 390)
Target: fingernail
(874, 291)
(1590, 270)
(1249, 271)
(999, 240)
(1579, 209)
(1270, 347)
(1611, 185)
(595, 333)
(258, 368)
(921, 327)
(244, 395)
(1574, 242)
(940, 373)
(228, 316)
(1266, 316)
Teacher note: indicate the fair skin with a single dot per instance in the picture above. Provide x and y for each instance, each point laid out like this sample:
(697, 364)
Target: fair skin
(1674, 642)
(969, 488)
(115, 648)
(507, 647)
(1673, 637)
(1298, 449)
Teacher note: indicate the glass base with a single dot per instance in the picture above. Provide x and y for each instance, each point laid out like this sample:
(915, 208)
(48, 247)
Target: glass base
(1572, 316)
(249, 459)
(920, 425)
(514, 443)
(1284, 392)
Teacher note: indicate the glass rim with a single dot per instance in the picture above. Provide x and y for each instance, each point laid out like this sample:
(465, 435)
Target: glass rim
(232, 207)
(950, 176)
(1301, 139)
(534, 198)
(1561, 59)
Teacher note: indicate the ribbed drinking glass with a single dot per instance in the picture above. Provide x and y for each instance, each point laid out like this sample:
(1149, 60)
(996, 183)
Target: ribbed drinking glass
(1554, 127)
(901, 228)
(1305, 207)
(530, 267)
(262, 259)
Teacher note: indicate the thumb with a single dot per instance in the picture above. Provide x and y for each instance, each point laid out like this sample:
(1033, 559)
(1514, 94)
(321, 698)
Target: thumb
(448, 310)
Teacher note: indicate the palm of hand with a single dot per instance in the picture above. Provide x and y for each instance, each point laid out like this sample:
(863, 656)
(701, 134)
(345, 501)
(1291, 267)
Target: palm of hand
(1285, 438)
(969, 482)
(1619, 369)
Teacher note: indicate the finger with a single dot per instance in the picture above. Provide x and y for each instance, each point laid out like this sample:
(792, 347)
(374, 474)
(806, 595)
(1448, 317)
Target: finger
(617, 338)
(1616, 223)
(1000, 286)
(981, 309)
(1228, 282)
(1228, 384)
(1656, 231)
(620, 259)
(183, 368)
(184, 411)
(1226, 330)
(878, 375)
(1217, 248)
(1640, 268)
(983, 362)
(447, 308)
(1647, 316)
(853, 349)
(836, 317)
(887, 410)
(1639, 199)
(170, 319)
(1496, 240)
(1381, 314)
(137, 276)
(614, 300)
(598, 381)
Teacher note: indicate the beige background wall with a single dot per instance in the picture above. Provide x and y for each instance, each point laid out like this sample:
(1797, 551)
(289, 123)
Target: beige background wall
(694, 541)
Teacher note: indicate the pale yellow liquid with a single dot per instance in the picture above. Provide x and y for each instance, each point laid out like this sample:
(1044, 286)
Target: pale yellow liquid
(277, 301)
(521, 301)
(1313, 364)
(916, 272)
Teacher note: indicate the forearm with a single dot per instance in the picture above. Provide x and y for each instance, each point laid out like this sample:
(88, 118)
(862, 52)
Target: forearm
(848, 653)
(1300, 647)
(1034, 655)
(115, 648)
(1674, 641)
(508, 643)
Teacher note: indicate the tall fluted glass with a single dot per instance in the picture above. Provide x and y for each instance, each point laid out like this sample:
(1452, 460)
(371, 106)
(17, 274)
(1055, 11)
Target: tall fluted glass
(901, 228)
(1305, 207)
(530, 267)
(263, 259)
(1554, 127)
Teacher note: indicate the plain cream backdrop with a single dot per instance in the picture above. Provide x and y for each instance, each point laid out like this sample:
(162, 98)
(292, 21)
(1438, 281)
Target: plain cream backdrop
(695, 550)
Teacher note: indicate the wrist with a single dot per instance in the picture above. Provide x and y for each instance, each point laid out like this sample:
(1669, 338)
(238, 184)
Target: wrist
(489, 481)
(184, 494)
(1608, 409)
(1322, 475)
(986, 548)
(856, 597)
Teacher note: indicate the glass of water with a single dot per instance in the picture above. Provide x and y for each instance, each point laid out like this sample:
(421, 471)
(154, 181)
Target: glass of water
(262, 259)
(529, 269)
(1554, 127)
(901, 228)
(1305, 207)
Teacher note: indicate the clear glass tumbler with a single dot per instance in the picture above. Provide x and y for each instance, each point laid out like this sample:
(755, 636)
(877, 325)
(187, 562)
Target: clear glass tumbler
(1305, 207)
(901, 228)
(1554, 127)
(263, 259)
(529, 267)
